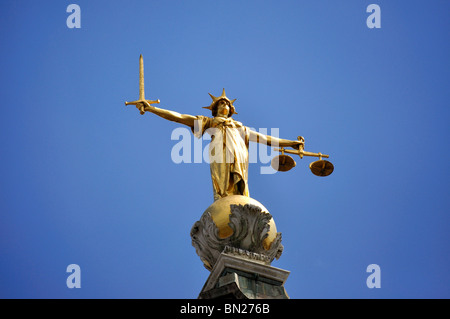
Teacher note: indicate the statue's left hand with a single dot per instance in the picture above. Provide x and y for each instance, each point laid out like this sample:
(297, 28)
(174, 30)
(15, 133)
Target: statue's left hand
(300, 141)
(296, 144)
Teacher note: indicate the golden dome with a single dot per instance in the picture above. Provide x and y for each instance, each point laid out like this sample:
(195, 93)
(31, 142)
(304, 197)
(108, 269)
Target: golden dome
(220, 214)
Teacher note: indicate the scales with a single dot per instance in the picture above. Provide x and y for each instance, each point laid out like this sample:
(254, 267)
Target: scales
(284, 163)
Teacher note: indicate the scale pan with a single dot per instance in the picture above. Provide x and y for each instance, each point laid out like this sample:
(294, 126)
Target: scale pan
(321, 168)
(282, 163)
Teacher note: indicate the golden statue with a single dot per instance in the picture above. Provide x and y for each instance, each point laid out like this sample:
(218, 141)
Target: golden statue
(234, 222)
(229, 141)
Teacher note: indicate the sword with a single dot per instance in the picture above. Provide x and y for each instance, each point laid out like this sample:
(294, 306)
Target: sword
(141, 88)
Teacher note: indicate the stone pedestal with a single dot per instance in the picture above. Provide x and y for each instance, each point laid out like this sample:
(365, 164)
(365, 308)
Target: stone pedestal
(237, 240)
(240, 274)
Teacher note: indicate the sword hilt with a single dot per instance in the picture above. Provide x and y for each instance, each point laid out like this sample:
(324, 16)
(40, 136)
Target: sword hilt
(142, 107)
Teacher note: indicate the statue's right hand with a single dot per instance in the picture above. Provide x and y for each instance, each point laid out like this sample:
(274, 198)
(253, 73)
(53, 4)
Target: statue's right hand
(142, 105)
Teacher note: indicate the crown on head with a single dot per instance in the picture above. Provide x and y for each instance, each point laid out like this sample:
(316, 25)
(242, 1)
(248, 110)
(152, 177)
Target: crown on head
(216, 99)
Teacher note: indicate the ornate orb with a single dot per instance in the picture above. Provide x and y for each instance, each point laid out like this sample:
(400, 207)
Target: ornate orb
(238, 222)
(220, 214)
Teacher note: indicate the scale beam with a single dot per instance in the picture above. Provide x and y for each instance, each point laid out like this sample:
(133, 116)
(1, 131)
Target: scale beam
(302, 153)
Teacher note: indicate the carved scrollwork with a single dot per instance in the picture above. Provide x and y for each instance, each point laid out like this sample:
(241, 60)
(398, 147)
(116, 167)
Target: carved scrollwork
(206, 241)
(250, 227)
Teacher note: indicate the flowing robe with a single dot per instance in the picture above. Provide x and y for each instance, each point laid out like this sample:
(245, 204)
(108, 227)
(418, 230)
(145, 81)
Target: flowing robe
(228, 154)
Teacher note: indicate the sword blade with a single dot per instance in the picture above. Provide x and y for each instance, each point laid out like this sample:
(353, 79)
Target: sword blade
(141, 79)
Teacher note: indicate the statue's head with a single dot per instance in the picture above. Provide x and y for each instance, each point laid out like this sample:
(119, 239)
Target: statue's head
(221, 106)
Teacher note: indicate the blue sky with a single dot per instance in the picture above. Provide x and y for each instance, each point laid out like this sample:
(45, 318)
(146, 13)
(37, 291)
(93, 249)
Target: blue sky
(88, 181)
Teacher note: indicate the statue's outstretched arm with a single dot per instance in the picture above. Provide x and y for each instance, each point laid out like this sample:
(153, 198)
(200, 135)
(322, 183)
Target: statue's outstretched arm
(272, 141)
(173, 116)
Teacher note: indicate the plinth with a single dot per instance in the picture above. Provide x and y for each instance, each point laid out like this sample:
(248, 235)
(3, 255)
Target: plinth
(236, 239)
(240, 274)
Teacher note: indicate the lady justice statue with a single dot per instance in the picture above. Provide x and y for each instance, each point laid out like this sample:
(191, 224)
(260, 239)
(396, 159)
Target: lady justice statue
(230, 139)
(234, 222)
